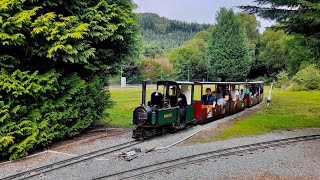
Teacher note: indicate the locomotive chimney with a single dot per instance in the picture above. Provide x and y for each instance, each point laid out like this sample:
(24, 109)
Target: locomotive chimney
(144, 91)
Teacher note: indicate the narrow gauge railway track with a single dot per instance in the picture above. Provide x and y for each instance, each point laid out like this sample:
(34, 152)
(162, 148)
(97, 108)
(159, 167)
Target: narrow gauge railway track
(179, 162)
(71, 161)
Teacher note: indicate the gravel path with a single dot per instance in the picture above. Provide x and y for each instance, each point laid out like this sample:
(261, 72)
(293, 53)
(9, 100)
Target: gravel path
(299, 161)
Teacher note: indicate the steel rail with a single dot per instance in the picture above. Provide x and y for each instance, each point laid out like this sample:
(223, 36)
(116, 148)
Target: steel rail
(239, 150)
(67, 162)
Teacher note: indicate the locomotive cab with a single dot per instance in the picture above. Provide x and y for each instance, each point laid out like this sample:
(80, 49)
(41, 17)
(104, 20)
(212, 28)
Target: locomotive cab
(163, 108)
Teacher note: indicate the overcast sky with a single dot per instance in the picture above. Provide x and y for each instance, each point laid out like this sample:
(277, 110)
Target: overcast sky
(201, 11)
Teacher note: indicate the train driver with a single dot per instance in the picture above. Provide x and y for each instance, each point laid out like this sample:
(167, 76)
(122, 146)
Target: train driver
(208, 98)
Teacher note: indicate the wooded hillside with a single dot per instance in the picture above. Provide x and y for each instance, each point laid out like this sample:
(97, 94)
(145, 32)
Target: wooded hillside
(160, 34)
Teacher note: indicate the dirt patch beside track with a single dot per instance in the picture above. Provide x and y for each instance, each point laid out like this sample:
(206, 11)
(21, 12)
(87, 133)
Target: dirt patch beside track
(208, 135)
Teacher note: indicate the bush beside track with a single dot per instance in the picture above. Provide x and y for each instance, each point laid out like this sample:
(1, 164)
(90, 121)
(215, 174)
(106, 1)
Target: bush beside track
(55, 60)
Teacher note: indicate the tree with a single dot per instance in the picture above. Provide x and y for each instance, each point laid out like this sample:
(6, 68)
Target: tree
(301, 53)
(189, 60)
(273, 53)
(160, 35)
(229, 50)
(252, 26)
(296, 17)
(280, 51)
(54, 60)
(157, 69)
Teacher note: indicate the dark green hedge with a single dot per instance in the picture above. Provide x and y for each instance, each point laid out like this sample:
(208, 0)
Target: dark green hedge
(55, 57)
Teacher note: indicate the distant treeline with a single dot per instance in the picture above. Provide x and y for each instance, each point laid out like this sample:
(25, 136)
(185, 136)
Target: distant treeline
(159, 34)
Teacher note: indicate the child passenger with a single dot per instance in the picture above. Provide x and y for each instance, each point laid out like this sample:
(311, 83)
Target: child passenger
(208, 98)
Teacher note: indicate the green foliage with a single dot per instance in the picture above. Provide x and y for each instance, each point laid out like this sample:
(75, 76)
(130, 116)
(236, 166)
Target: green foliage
(229, 51)
(160, 34)
(273, 54)
(283, 80)
(266, 79)
(300, 18)
(156, 69)
(307, 79)
(280, 51)
(189, 60)
(40, 108)
(300, 50)
(55, 58)
(251, 26)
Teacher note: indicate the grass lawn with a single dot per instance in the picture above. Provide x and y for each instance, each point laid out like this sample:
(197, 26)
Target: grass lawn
(126, 100)
(289, 110)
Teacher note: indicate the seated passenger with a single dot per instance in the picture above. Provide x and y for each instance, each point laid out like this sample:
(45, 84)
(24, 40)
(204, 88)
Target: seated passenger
(254, 90)
(246, 91)
(251, 96)
(208, 98)
(224, 97)
(234, 95)
(241, 94)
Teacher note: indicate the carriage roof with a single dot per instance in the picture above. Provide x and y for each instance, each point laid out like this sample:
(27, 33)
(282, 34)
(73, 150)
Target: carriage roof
(206, 83)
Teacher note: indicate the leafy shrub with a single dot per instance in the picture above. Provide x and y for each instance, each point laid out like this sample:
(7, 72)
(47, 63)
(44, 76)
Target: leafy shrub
(307, 79)
(115, 80)
(55, 57)
(40, 108)
(283, 80)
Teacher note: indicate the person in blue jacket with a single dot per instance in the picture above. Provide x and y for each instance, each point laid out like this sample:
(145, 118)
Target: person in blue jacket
(207, 99)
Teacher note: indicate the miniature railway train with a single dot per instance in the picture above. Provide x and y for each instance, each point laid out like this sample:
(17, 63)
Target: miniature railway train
(165, 112)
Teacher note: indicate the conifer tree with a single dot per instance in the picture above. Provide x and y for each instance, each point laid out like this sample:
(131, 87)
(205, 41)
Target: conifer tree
(296, 17)
(229, 51)
(55, 57)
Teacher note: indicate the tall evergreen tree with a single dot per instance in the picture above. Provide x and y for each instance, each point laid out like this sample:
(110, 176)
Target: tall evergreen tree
(229, 51)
